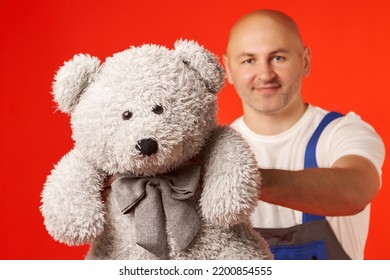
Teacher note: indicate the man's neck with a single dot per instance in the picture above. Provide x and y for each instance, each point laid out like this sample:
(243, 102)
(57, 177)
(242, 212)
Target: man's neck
(273, 123)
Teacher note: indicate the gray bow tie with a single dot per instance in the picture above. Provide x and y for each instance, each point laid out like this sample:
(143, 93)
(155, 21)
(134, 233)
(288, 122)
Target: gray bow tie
(161, 203)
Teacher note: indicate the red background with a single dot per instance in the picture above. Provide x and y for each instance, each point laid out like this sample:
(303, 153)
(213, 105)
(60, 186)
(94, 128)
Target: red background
(350, 71)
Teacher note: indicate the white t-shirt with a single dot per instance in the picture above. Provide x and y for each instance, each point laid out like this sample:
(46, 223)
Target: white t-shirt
(348, 135)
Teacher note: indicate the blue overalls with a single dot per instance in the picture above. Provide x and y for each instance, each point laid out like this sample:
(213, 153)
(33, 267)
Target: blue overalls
(314, 239)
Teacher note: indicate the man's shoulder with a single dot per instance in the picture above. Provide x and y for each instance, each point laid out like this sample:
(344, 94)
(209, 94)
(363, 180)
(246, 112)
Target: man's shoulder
(237, 123)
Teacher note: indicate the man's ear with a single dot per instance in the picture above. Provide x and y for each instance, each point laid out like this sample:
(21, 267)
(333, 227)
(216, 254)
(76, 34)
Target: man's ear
(227, 69)
(306, 61)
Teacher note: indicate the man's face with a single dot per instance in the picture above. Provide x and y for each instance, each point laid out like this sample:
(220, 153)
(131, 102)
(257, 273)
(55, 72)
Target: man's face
(266, 63)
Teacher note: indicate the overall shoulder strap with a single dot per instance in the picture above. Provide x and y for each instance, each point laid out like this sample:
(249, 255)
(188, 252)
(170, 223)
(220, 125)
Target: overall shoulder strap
(310, 154)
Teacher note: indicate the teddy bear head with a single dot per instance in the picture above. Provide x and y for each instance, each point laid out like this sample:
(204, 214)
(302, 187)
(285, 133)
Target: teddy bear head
(145, 110)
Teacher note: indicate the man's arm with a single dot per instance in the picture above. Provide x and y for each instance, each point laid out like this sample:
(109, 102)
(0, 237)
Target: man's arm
(344, 189)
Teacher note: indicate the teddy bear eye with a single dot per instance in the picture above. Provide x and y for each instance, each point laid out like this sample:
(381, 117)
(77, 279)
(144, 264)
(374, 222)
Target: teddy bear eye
(126, 115)
(158, 109)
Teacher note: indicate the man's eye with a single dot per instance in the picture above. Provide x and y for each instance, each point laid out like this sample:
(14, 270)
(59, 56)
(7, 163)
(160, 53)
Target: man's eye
(278, 58)
(248, 61)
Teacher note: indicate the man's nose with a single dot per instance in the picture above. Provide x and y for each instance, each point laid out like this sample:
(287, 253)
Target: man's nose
(265, 71)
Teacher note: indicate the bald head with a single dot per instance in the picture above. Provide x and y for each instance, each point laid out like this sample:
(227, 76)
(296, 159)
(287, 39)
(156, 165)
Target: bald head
(266, 62)
(261, 22)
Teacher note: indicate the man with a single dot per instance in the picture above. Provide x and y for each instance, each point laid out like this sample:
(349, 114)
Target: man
(266, 62)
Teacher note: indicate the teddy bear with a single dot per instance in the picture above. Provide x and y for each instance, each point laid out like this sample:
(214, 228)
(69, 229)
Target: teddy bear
(184, 185)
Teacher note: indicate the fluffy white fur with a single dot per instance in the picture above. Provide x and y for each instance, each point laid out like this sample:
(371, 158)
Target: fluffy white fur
(184, 81)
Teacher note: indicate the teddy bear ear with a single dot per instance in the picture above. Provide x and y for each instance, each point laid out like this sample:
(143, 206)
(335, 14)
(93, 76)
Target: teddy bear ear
(202, 61)
(72, 79)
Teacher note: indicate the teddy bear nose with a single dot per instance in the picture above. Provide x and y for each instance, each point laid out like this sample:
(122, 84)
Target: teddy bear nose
(147, 147)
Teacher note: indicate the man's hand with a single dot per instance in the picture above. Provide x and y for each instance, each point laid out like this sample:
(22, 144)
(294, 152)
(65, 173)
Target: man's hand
(107, 187)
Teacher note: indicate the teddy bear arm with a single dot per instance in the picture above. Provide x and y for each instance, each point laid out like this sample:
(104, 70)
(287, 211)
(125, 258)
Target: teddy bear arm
(71, 200)
(231, 179)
